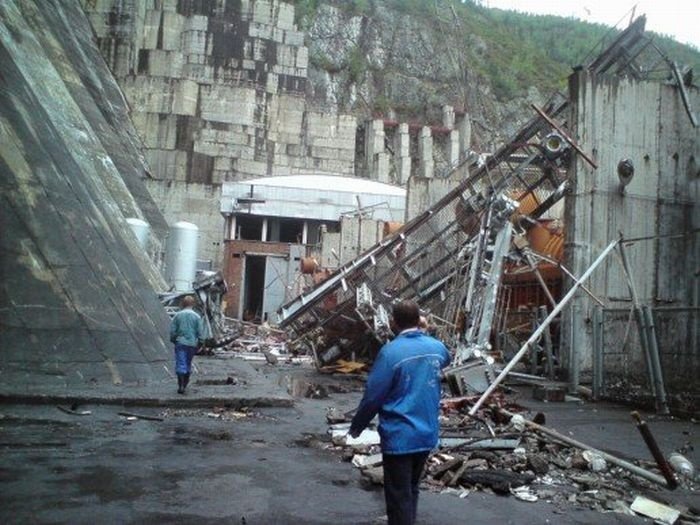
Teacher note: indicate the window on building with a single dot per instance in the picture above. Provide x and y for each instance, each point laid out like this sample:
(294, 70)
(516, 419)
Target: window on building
(291, 230)
(249, 227)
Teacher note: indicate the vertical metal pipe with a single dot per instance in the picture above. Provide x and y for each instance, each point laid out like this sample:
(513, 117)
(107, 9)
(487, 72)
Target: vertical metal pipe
(547, 337)
(524, 348)
(661, 403)
(597, 352)
(639, 317)
(534, 347)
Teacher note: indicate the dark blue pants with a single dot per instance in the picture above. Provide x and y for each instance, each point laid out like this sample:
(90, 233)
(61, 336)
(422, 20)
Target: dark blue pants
(183, 358)
(402, 474)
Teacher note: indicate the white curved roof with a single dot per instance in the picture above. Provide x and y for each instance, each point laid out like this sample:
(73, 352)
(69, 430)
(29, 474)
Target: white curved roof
(329, 182)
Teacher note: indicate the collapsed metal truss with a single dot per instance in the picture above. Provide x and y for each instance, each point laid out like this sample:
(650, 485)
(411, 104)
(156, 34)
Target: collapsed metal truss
(449, 259)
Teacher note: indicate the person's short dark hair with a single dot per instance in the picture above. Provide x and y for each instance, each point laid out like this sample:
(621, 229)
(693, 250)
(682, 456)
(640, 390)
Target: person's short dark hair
(406, 314)
(188, 301)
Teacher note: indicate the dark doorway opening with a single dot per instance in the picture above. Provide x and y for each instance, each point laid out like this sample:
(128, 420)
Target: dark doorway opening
(254, 287)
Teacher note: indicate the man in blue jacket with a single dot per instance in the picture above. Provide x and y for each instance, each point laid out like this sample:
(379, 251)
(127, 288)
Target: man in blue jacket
(404, 388)
(186, 332)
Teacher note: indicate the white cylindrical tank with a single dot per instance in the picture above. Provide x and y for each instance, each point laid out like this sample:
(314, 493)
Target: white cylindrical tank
(181, 255)
(141, 229)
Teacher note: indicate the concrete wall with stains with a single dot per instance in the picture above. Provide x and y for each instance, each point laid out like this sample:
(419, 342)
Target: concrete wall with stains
(645, 122)
(77, 297)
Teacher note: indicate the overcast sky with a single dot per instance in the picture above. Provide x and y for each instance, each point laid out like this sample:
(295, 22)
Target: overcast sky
(677, 18)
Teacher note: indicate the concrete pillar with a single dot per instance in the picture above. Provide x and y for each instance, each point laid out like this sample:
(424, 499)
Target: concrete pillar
(402, 154)
(448, 117)
(425, 152)
(381, 167)
(263, 236)
(374, 149)
(464, 126)
(453, 147)
(374, 141)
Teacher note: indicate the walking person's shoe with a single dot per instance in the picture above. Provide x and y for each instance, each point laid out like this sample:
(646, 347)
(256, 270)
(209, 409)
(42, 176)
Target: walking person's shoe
(180, 383)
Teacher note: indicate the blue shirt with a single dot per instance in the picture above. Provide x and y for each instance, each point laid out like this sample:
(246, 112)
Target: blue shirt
(186, 328)
(404, 388)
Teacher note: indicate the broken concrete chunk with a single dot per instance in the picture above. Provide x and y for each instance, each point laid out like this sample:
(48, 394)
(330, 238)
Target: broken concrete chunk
(366, 439)
(333, 415)
(375, 475)
(595, 461)
(501, 481)
(524, 494)
(538, 464)
(654, 510)
(365, 461)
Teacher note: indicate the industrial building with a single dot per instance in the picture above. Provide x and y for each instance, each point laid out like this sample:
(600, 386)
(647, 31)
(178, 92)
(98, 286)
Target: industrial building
(273, 223)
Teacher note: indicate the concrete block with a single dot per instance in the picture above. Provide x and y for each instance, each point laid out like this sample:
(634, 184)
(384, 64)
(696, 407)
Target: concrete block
(185, 98)
(196, 59)
(196, 23)
(194, 43)
(453, 147)
(223, 163)
(218, 176)
(402, 166)
(285, 16)
(324, 153)
(157, 131)
(167, 164)
(172, 29)
(148, 94)
(272, 83)
(448, 116)
(200, 73)
(256, 30)
(278, 35)
(293, 150)
(233, 104)
(247, 167)
(302, 58)
(151, 27)
(259, 50)
(169, 5)
(381, 167)
(286, 55)
(293, 38)
(262, 12)
(464, 126)
(165, 63)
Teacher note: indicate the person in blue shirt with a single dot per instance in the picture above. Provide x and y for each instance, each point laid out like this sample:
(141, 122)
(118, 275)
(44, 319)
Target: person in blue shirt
(186, 332)
(404, 389)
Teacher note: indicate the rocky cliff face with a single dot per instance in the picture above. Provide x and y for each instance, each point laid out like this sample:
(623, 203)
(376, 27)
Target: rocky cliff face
(398, 66)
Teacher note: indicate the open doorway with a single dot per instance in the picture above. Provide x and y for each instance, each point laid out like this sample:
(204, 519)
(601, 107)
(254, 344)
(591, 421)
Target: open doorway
(254, 287)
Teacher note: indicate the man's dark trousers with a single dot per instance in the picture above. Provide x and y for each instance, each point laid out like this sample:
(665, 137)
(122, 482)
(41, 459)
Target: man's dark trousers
(402, 474)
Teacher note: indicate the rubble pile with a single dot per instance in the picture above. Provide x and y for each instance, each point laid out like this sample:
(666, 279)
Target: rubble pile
(498, 451)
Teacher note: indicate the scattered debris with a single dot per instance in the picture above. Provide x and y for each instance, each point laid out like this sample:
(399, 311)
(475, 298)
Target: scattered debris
(681, 465)
(131, 416)
(73, 412)
(505, 452)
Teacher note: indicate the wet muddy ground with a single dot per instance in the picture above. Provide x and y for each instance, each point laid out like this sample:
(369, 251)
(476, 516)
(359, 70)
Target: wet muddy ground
(217, 465)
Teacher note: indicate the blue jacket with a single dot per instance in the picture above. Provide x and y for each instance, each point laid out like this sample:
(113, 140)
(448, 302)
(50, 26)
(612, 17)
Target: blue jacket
(404, 388)
(186, 328)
